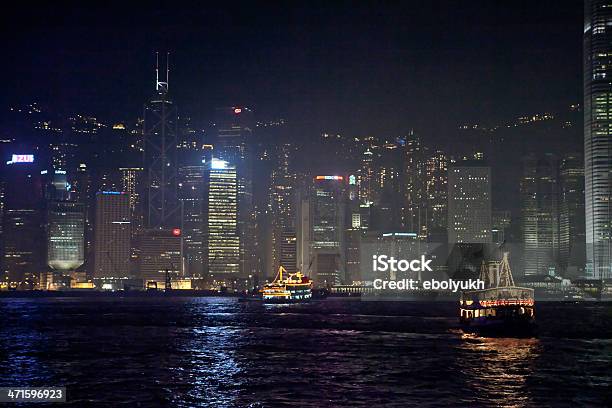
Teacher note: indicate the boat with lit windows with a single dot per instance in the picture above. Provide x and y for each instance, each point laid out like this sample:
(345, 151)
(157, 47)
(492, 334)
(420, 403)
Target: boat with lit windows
(287, 288)
(501, 309)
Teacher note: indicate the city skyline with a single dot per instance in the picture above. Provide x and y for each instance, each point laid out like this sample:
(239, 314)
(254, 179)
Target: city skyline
(235, 196)
(323, 203)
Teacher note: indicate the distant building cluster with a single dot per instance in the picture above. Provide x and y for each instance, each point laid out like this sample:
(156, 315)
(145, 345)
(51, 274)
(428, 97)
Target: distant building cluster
(231, 208)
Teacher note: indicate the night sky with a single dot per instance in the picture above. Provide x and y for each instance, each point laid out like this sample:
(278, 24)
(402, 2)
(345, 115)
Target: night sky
(363, 68)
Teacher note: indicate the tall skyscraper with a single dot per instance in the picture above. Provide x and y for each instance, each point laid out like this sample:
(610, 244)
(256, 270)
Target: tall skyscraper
(66, 235)
(112, 235)
(234, 141)
(469, 202)
(598, 137)
(82, 192)
(23, 242)
(65, 226)
(221, 240)
(191, 195)
(572, 254)
(131, 179)
(282, 203)
(366, 177)
(387, 208)
(21, 247)
(160, 160)
(356, 228)
(414, 185)
(322, 231)
(437, 190)
(540, 214)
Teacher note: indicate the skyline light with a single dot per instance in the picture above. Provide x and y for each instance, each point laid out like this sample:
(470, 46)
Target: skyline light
(21, 158)
(218, 164)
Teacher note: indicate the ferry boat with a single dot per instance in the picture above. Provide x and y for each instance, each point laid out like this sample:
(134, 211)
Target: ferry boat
(501, 308)
(287, 288)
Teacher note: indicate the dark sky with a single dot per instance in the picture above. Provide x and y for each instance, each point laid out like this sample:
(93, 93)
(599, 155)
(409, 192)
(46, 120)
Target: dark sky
(362, 67)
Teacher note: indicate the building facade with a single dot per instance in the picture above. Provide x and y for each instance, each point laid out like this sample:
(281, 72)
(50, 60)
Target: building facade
(234, 146)
(65, 235)
(191, 196)
(572, 249)
(469, 203)
(221, 242)
(282, 202)
(161, 257)
(598, 137)
(112, 235)
(322, 231)
(540, 214)
(160, 161)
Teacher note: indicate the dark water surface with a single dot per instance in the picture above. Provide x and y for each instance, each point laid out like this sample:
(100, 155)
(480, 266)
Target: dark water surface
(188, 352)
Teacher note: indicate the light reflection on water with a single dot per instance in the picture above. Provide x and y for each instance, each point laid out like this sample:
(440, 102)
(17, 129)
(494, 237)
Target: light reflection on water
(497, 368)
(26, 343)
(189, 352)
(214, 372)
(207, 368)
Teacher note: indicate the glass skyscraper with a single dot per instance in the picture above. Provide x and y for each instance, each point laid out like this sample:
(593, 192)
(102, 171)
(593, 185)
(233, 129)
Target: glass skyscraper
(66, 235)
(160, 161)
(234, 145)
(221, 239)
(598, 136)
(540, 213)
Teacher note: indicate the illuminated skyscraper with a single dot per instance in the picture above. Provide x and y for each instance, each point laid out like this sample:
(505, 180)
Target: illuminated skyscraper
(366, 178)
(469, 203)
(437, 189)
(356, 228)
(82, 192)
(221, 240)
(388, 204)
(234, 134)
(131, 179)
(282, 202)
(469, 217)
(598, 136)
(65, 226)
(23, 239)
(112, 235)
(160, 160)
(414, 185)
(66, 235)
